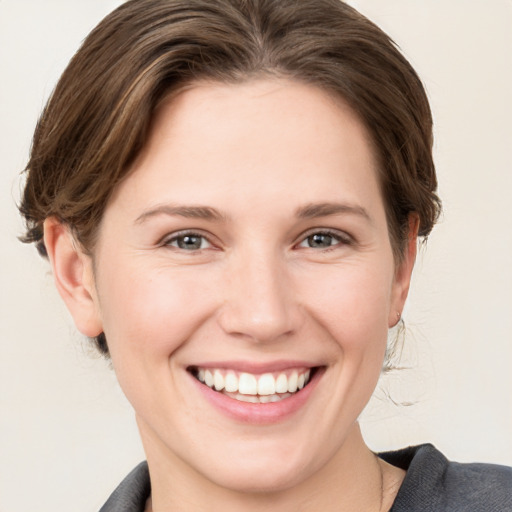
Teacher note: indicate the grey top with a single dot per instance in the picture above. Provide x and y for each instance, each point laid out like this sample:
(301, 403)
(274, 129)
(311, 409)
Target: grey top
(432, 484)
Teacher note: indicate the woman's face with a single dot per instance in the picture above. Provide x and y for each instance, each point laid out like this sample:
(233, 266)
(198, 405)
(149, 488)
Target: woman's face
(249, 249)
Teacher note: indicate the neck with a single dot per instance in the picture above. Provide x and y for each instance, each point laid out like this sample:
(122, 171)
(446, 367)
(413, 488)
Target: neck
(353, 479)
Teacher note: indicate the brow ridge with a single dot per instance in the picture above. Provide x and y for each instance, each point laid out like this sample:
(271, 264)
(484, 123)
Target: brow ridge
(313, 210)
(189, 212)
(308, 211)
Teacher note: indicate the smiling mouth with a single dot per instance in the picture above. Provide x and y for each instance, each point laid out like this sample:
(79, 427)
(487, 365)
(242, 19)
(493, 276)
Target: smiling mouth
(248, 387)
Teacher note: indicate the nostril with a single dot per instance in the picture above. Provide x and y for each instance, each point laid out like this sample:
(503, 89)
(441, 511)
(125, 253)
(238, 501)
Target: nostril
(259, 306)
(257, 327)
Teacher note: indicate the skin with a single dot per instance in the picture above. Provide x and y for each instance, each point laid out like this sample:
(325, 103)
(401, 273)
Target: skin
(255, 290)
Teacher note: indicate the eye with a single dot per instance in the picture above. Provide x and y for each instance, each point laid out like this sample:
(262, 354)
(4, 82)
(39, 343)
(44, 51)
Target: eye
(188, 242)
(324, 240)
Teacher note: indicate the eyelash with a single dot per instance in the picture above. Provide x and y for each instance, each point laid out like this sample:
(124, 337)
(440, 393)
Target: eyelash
(341, 239)
(167, 241)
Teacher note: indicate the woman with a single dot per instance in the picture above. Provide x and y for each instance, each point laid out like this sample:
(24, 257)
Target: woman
(230, 195)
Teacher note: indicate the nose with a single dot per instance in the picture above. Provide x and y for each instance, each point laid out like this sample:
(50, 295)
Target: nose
(259, 303)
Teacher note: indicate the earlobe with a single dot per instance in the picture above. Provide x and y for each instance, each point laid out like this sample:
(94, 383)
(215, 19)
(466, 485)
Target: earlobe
(73, 275)
(403, 272)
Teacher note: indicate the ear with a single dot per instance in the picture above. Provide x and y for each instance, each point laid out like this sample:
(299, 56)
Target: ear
(403, 272)
(73, 275)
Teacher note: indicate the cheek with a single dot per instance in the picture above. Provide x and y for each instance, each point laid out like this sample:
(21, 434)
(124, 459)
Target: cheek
(153, 312)
(147, 318)
(353, 306)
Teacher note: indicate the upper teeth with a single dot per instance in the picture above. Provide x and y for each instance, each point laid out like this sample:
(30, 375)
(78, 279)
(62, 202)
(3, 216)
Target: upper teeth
(250, 384)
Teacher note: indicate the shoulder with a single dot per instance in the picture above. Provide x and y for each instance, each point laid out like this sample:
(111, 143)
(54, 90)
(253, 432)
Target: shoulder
(433, 483)
(132, 492)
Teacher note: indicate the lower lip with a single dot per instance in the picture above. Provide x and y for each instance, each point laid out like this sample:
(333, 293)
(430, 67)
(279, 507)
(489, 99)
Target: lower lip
(260, 413)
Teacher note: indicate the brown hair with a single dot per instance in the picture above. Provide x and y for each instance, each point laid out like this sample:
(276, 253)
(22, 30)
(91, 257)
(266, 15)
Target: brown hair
(98, 117)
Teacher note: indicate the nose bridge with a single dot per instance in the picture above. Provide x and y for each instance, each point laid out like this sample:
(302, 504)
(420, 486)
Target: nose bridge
(258, 303)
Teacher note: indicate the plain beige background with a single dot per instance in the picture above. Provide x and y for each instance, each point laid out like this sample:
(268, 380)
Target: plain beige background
(67, 435)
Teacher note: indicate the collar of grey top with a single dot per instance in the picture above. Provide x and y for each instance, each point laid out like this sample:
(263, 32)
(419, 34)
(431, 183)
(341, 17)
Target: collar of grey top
(432, 484)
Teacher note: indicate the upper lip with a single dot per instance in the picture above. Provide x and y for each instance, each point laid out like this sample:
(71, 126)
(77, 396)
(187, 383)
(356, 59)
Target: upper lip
(255, 367)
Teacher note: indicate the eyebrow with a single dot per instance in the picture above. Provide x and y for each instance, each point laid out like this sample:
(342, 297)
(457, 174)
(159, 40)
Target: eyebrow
(309, 211)
(313, 210)
(189, 212)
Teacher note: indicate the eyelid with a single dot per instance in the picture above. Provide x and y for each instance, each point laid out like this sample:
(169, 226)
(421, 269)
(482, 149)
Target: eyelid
(169, 237)
(343, 237)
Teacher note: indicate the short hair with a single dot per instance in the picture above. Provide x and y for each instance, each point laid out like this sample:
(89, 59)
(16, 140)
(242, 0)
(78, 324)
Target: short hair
(98, 118)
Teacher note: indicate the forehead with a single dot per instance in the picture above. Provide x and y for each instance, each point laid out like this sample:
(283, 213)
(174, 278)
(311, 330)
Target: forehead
(222, 115)
(252, 142)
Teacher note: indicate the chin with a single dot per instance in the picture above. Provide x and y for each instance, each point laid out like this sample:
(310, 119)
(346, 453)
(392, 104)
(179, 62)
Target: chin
(263, 469)
(261, 479)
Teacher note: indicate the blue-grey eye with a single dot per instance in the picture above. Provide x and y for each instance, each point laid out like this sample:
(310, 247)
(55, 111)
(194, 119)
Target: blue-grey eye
(190, 242)
(321, 240)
